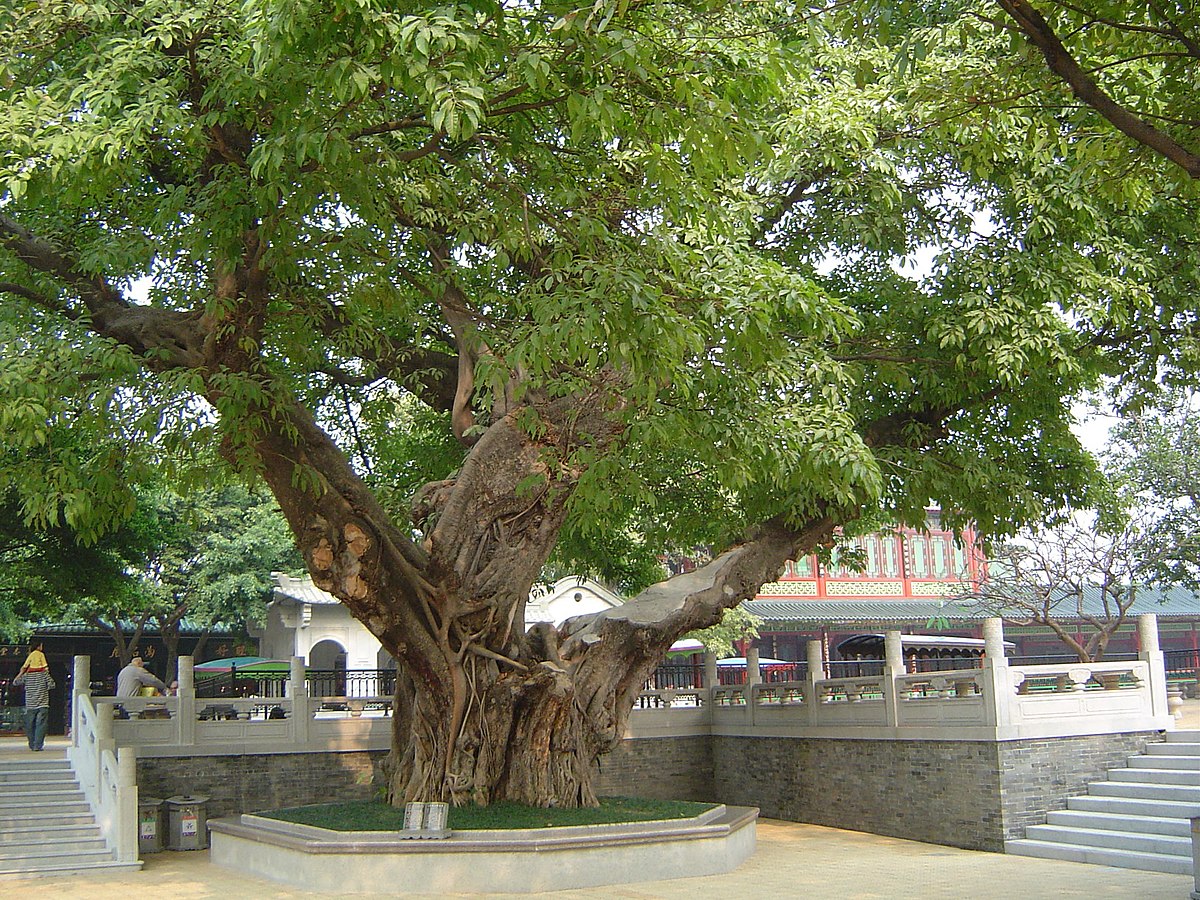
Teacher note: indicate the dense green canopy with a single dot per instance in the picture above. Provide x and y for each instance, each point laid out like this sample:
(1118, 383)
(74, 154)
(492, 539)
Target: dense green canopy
(659, 190)
(461, 280)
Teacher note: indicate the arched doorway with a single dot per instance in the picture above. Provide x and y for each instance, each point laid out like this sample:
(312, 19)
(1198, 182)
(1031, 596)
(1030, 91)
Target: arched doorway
(327, 669)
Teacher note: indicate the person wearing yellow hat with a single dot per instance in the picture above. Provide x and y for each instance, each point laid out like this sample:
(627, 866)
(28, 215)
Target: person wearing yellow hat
(34, 676)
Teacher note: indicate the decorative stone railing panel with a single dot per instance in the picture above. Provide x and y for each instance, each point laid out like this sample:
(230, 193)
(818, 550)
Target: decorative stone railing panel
(106, 775)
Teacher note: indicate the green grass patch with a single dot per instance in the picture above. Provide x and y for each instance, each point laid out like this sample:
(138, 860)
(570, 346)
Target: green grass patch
(371, 815)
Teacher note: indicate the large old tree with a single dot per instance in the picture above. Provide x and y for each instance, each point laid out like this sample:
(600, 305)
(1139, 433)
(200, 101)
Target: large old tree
(571, 269)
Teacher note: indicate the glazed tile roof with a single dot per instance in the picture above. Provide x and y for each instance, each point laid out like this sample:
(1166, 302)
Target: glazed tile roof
(1176, 602)
(817, 611)
(301, 590)
(186, 627)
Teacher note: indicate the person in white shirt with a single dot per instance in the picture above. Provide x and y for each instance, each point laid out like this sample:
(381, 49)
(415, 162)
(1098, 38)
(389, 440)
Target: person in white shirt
(132, 678)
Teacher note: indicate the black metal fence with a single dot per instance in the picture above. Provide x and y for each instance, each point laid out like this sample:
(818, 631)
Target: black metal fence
(320, 682)
(1181, 665)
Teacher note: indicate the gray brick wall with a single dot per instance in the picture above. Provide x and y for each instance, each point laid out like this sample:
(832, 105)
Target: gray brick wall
(659, 768)
(942, 792)
(242, 784)
(662, 768)
(959, 793)
(1037, 777)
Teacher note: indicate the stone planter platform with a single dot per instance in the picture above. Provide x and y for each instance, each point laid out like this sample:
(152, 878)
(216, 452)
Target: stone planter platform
(524, 860)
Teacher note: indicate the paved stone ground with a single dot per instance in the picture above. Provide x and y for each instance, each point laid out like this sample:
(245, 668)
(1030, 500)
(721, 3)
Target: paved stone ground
(792, 860)
(1190, 717)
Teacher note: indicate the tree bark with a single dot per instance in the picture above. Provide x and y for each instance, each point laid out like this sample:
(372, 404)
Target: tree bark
(484, 711)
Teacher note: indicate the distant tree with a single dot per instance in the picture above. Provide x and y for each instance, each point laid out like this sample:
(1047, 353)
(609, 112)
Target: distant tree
(47, 574)
(208, 558)
(1075, 572)
(213, 564)
(738, 624)
(1155, 454)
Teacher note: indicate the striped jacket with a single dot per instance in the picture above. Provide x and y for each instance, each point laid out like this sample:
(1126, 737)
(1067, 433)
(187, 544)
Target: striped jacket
(37, 688)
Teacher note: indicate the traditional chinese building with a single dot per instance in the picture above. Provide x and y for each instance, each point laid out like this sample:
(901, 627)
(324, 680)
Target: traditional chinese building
(907, 583)
(303, 620)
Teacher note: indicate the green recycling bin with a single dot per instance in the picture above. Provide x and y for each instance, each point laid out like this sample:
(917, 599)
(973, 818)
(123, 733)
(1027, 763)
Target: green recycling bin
(152, 831)
(187, 822)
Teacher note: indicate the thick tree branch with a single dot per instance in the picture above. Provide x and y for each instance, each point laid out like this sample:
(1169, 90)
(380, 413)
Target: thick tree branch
(167, 338)
(47, 257)
(38, 299)
(1063, 64)
(784, 205)
(429, 373)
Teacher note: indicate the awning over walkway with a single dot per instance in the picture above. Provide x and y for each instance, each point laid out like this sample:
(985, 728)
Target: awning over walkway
(832, 612)
(1179, 603)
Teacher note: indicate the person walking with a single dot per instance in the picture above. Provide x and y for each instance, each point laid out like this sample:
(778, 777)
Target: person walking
(34, 676)
(132, 678)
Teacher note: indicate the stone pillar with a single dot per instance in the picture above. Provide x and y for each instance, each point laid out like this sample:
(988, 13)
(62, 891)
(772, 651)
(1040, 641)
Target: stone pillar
(81, 683)
(816, 660)
(104, 740)
(1147, 632)
(104, 726)
(816, 672)
(298, 691)
(993, 642)
(996, 683)
(893, 652)
(126, 812)
(1149, 652)
(710, 669)
(185, 710)
(893, 668)
(753, 672)
(1195, 895)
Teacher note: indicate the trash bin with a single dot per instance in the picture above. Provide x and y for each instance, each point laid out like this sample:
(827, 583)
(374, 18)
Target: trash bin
(187, 823)
(151, 830)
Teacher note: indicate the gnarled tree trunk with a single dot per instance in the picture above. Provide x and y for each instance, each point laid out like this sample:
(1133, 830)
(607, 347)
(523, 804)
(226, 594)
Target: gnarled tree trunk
(485, 711)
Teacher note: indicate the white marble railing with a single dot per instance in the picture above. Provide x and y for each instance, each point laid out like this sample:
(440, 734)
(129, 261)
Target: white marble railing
(993, 702)
(182, 726)
(107, 775)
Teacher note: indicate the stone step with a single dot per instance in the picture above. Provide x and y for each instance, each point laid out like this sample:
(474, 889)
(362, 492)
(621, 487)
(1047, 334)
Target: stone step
(1115, 840)
(1188, 763)
(1157, 776)
(1176, 793)
(21, 819)
(34, 799)
(37, 761)
(1174, 748)
(44, 758)
(1132, 806)
(47, 808)
(31, 830)
(57, 868)
(1183, 735)
(34, 770)
(37, 783)
(1075, 818)
(74, 847)
(40, 856)
(1125, 859)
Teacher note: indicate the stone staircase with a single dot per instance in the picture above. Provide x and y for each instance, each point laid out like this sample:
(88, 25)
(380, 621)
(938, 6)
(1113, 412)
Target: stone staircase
(46, 825)
(1138, 819)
